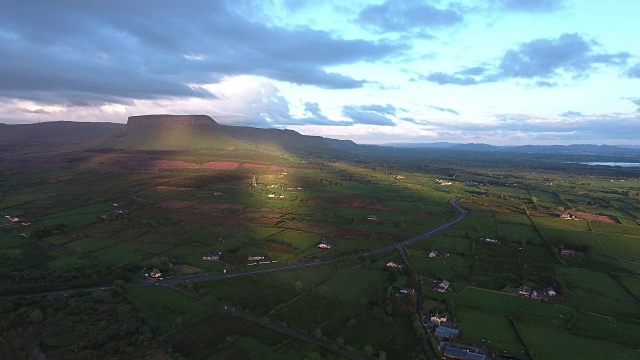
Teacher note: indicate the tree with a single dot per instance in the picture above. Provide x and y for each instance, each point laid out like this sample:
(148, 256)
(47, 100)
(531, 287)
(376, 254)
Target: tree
(368, 350)
(36, 316)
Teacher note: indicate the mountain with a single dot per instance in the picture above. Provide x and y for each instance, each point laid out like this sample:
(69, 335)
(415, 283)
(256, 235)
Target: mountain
(187, 132)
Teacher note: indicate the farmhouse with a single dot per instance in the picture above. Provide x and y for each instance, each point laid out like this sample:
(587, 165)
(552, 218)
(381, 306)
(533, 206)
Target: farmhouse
(567, 252)
(12, 218)
(437, 319)
(445, 332)
(443, 286)
(155, 273)
(433, 253)
(209, 256)
(524, 291)
(444, 182)
(392, 264)
(551, 292)
(324, 245)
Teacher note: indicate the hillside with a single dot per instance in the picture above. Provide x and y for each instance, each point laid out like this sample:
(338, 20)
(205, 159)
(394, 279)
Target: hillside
(55, 133)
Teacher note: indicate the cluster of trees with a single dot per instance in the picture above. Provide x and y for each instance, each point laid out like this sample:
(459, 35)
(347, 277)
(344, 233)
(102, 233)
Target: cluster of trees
(82, 325)
(27, 281)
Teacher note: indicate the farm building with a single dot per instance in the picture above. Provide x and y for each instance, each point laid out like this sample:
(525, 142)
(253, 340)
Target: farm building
(433, 253)
(372, 217)
(407, 291)
(210, 256)
(458, 353)
(392, 264)
(255, 257)
(567, 252)
(445, 332)
(443, 286)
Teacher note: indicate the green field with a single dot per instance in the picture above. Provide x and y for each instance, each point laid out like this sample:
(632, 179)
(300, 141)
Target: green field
(164, 306)
(549, 343)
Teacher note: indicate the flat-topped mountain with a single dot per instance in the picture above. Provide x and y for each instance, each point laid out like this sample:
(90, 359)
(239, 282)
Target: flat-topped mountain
(170, 122)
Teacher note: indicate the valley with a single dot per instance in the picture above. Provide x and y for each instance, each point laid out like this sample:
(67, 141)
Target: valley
(273, 245)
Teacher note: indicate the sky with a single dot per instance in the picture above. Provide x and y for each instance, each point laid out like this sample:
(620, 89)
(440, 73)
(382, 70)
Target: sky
(502, 72)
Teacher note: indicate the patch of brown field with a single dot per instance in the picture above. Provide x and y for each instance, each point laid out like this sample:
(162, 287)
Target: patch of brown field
(595, 217)
(254, 166)
(381, 207)
(222, 165)
(166, 164)
(356, 204)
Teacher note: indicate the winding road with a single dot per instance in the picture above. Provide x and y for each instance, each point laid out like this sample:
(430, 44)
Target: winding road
(462, 213)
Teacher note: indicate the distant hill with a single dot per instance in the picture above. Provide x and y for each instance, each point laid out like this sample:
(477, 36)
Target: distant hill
(575, 149)
(54, 133)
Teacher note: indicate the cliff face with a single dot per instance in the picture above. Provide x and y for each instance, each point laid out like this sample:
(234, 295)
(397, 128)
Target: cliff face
(170, 122)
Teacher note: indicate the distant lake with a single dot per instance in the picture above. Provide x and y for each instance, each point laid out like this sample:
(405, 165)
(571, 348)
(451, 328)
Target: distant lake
(621, 164)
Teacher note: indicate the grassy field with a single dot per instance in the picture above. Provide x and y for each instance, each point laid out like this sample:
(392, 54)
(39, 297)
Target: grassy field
(164, 306)
(499, 336)
(355, 284)
(549, 343)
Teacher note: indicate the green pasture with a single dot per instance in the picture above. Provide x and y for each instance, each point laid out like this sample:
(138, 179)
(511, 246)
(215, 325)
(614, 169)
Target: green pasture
(454, 268)
(597, 292)
(515, 307)
(130, 252)
(10, 240)
(512, 219)
(499, 336)
(312, 310)
(621, 246)
(308, 277)
(611, 329)
(164, 306)
(632, 283)
(550, 343)
(620, 229)
(570, 237)
(443, 243)
(77, 217)
(355, 284)
(558, 223)
(396, 338)
(518, 233)
(261, 300)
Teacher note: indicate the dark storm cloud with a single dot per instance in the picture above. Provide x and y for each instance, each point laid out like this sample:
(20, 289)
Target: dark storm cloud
(119, 50)
(539, 59)
(403, 15)
(531, 5)
(361, 115)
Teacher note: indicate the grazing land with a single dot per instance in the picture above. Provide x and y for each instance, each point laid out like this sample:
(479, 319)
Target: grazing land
(292, 252)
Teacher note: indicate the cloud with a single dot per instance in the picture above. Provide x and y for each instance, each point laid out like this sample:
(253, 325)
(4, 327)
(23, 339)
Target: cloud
(634, 71)
(404, 15)
(451, 111)
(531, 5)
(365, 115)
(104, 52)
(538, 59)
(571, 114)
